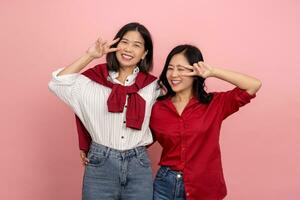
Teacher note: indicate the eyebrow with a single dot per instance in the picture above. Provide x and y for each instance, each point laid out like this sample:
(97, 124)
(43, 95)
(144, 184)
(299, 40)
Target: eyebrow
(178, 66)
(133, 41)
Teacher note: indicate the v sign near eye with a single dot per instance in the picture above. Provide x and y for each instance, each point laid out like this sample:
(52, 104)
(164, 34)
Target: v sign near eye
(101, 48)
(198, 69)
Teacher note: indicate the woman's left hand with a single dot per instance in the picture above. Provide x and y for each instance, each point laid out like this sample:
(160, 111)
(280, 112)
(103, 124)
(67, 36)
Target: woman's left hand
(83, 158)
(199, 69)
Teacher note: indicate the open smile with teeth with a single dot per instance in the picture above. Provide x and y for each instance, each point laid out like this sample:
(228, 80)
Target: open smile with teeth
(126, 56)
(175, 82)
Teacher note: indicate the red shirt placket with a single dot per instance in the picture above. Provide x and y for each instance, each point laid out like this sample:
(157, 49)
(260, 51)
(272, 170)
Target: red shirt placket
(183, 142)
(183, 139)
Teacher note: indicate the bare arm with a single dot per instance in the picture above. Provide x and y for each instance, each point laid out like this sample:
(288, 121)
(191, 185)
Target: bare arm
(248, 83)
(245, 82)
(77, 66)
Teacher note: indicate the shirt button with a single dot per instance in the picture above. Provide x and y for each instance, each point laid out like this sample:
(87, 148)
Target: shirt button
(125, 106)
(127, 80)
(187, 194)
(122, 137)
(124, 122)
(178, 176)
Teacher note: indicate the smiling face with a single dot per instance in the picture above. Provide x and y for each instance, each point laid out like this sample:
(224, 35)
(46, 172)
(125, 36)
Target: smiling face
(132, 49)
(179, 83)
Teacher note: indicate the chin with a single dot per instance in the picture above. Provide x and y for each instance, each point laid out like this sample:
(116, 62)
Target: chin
(127, 64)
(176, 90)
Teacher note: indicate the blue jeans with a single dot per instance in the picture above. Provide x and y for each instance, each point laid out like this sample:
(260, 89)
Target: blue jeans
(117, 175)
(168, 185)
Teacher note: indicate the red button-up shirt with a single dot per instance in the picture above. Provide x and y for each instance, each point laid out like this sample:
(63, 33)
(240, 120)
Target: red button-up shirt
(191, 141)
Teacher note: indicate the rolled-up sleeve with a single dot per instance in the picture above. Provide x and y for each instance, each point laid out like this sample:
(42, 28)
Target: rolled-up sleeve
(66, 87)
(232, 100)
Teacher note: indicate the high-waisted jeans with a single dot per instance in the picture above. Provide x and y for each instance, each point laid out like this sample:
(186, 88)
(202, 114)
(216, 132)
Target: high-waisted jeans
(117, 175)
(168, 185)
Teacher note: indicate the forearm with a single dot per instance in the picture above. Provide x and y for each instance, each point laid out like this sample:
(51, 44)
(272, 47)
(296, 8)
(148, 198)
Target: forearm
(248, 83)
(78, 65)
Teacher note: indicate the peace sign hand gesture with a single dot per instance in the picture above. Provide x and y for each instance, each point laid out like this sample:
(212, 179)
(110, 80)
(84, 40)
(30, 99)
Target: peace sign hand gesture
(199, 69)
(100, 48)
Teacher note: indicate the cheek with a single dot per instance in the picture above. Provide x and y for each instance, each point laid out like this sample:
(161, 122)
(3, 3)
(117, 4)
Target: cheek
(139, 53)
(120, 45)
(118, 54)
(168, 75)
(189, 81)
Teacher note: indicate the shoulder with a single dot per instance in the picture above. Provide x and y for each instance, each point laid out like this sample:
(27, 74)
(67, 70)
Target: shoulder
(233, 93)
(151, 87)
(159, 104)
(96, 70)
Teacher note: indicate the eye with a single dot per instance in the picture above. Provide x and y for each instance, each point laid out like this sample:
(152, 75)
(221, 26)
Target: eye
(181, 68)
(170, 68)
(123, 42)
(136, 45)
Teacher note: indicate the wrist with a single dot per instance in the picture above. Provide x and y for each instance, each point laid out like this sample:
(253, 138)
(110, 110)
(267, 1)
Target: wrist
(213, 72)
(88, 56)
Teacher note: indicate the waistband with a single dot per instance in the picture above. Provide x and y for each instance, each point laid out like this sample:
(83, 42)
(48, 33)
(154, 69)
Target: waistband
(107, 151)
(166, 169)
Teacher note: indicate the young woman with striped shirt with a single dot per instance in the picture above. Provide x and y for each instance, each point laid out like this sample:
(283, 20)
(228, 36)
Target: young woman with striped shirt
(112, 103)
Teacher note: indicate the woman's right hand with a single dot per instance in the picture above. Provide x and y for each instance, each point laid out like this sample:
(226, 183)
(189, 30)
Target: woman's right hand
(83, 157)
(100, 48)
(96, 51)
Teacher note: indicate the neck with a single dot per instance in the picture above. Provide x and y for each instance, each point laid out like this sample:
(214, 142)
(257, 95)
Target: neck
(183, 96)
(124, 72)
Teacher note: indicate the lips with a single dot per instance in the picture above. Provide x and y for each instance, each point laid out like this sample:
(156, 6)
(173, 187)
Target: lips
(126, 56)
(175, 82)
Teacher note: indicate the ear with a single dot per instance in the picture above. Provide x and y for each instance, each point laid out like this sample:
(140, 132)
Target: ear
(143, 57)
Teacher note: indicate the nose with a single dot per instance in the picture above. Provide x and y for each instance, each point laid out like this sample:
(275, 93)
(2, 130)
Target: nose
(127, 48)
(174, 73)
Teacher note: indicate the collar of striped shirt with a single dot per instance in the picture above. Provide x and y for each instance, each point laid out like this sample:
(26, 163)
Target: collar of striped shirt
(113, 75)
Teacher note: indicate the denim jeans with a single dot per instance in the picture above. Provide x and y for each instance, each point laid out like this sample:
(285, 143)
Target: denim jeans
(117, 175)
(168, 185)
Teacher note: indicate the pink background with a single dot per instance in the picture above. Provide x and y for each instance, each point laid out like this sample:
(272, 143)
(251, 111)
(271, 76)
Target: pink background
(260, 144)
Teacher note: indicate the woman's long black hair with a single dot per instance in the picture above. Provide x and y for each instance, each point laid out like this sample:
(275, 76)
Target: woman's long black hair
(144, 65)
(193, 55)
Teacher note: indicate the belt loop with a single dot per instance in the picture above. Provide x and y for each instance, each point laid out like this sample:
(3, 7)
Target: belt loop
(107, 152)
(165, 170)
(91, 147)
(136, 152)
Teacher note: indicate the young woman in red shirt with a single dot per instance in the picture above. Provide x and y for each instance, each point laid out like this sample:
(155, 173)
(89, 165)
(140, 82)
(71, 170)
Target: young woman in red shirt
(186, 121)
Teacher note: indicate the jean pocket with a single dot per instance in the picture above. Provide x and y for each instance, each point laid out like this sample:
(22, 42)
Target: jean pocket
(143, 160)
(161, 174)
(96, 160)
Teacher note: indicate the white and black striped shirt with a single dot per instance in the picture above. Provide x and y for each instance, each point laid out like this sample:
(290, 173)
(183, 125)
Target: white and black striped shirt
(88, 100)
